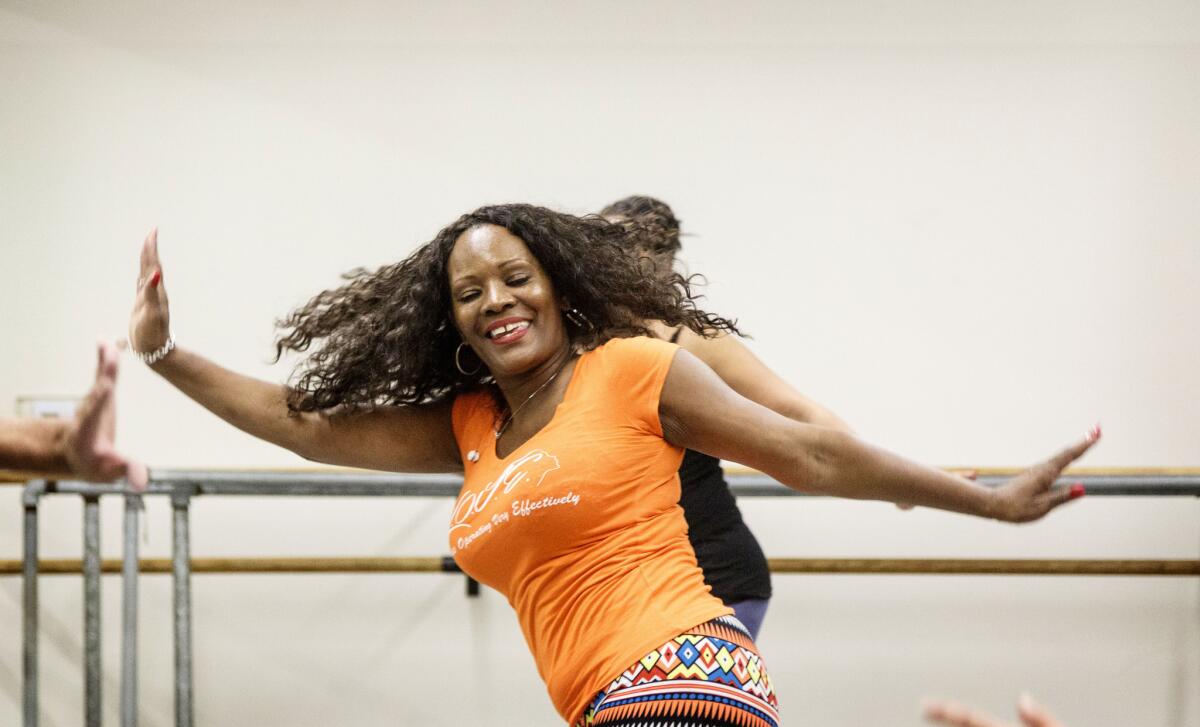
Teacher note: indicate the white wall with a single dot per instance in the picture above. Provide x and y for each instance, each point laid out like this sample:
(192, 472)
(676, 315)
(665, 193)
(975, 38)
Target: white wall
(970, 228)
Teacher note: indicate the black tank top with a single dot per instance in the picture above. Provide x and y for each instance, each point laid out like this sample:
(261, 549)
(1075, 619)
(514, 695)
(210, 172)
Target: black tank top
(728, 553)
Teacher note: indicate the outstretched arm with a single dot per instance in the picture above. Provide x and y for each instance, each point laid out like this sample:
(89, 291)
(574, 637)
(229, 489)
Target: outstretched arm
(699, 411)
(83, 447)
(33, 445)
(402, 439)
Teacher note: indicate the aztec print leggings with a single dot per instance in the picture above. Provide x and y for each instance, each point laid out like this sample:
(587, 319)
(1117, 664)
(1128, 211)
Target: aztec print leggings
(709, 676)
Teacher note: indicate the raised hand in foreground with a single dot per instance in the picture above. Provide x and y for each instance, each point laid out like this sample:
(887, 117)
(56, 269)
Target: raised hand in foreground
(953, 714)
(90, 439)
(83, 447)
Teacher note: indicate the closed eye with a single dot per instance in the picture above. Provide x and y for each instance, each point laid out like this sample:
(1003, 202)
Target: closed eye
(518, 280)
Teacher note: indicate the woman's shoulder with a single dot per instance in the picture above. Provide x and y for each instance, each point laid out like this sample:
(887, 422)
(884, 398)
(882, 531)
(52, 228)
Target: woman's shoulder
(632, 349)
(471, 404)
(625, 366)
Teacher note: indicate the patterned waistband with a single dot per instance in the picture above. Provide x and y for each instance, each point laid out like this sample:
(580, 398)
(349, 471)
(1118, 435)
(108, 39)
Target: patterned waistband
(710, 675)
(727, 628)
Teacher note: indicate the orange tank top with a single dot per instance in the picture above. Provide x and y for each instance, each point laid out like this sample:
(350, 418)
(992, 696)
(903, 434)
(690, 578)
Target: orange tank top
(580, 527)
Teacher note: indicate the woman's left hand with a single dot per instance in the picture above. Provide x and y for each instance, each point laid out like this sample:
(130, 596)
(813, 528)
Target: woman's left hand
(1032, 494)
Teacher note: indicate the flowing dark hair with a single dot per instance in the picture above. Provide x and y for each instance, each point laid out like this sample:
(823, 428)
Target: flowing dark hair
(660, 226)
(387, 337)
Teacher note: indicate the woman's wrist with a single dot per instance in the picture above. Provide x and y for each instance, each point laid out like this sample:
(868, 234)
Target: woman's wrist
(152, 357)
(34, 445)
(990, 505)
(956, 493)
(172, 365)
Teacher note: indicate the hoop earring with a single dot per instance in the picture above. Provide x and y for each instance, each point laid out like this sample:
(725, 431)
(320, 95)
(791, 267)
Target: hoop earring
(579, 319)
(458, 363)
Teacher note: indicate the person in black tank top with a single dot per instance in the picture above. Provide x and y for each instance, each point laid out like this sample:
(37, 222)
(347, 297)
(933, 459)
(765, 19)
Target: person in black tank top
(732, 560)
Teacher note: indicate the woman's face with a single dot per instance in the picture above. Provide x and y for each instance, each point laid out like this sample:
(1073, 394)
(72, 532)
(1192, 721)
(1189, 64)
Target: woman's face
(503, 302)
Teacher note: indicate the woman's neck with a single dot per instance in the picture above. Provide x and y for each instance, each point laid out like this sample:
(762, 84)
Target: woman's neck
(519, 388)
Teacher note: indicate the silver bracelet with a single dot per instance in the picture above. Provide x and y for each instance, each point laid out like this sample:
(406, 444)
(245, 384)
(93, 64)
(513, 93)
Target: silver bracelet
(152, 357)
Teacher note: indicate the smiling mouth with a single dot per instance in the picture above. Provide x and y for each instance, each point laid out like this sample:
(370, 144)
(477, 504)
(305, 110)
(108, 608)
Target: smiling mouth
(508, 332)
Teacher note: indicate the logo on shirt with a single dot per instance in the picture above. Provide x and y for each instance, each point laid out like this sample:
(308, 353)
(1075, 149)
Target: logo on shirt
(530, 468)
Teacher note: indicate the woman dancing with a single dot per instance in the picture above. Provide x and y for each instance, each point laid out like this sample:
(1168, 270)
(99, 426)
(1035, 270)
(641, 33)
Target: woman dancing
(511, 348)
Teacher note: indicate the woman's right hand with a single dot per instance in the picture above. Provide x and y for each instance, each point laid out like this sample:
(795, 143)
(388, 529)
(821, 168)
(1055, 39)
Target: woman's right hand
(150, 322)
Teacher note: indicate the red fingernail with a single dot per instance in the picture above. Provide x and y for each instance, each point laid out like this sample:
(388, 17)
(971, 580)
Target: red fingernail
(155, 278)
(1078, 491)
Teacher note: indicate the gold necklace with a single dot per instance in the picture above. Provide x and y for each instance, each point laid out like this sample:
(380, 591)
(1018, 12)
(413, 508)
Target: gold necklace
(509, 419)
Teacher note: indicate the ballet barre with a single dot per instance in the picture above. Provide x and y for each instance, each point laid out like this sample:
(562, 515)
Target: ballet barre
(182, 486)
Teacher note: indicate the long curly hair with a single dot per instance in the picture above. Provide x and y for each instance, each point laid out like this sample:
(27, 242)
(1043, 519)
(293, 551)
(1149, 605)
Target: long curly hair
(660, 227)
(387, 337)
